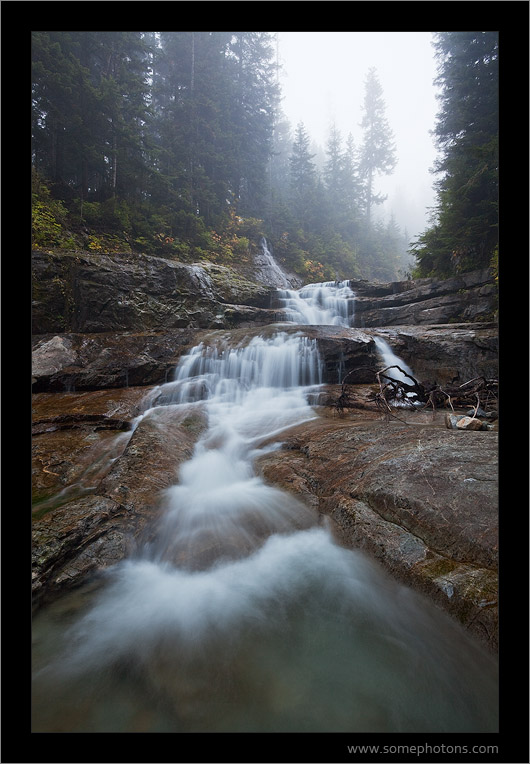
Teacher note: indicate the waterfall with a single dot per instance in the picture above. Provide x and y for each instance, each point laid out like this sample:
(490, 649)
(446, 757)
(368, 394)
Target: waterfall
(251, 393)
(267, 269)
(328, 303)
(389, 358)
(242, 614)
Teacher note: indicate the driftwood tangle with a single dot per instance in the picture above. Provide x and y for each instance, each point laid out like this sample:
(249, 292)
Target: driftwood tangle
(478, 393)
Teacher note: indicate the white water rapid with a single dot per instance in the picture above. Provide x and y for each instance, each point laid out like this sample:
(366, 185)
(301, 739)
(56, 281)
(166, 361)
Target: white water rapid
(243, 614)
(389, 358)
(329, 304)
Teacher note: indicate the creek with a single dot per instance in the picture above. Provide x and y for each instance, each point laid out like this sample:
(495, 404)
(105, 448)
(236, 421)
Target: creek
(242, 613)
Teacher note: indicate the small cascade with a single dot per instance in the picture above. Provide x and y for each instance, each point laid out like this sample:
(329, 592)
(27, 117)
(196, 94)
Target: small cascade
(229, 374)
(267, 269)
(389, 358)
(330, 303)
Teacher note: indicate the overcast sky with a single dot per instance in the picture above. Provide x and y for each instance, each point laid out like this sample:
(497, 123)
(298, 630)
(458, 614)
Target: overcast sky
(322, 79)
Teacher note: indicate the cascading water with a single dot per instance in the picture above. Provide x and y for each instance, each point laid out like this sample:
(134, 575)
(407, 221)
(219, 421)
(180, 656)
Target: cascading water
(330, 303)
(242, 614)
(267, 269)
(389, 358)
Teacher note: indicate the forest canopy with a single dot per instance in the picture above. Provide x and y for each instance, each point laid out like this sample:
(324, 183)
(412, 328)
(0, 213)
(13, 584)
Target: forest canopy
(175, 144)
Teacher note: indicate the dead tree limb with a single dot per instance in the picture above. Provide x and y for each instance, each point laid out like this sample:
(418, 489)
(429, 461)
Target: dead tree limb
(477, 393)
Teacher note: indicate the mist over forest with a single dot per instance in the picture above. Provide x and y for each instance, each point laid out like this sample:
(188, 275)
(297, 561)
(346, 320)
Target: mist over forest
(176, 144)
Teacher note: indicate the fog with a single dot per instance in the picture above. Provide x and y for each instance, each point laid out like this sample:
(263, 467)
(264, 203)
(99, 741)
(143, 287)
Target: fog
(322, 79)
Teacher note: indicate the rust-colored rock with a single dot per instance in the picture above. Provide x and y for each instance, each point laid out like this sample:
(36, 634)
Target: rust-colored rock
(95, 512)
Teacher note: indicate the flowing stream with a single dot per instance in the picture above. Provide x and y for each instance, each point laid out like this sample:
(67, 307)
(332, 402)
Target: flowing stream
(243, 614)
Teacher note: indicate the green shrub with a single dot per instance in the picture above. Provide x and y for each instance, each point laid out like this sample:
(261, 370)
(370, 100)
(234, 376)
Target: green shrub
(48, 217)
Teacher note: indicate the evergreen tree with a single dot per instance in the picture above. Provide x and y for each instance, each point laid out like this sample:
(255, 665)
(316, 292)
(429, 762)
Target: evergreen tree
(303, 178)
(255, 101)
(119, 67)
(342, 185)
(351, 186)
(464, 230)
(377, 150)
(333, 168)
(66, 118)
(89, 107)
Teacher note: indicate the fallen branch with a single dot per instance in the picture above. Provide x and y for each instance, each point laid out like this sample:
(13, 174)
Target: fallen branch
(478, 393)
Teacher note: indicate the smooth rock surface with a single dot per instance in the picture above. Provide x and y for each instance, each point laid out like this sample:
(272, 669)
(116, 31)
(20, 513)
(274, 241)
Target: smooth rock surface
(418, 497)
(79, 535)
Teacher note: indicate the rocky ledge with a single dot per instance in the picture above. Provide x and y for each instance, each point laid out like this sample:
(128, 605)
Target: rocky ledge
(91, 292)
(420, 498)
(88, 361)
(445, 353)
(86, 292)
(466, 297)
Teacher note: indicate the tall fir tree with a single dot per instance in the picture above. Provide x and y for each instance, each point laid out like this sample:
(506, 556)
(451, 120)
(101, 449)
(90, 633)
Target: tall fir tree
(303, 178)
(378, 153)
(464, 230)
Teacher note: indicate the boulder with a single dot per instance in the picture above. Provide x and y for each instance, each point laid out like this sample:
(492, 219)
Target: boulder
(469, 423)
(72, 362)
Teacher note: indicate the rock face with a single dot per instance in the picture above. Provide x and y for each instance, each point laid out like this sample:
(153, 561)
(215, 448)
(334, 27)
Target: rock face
(69, 362)
(81, 292)
(106, 359)
(442, 353)
(469, 297)
(108, 329)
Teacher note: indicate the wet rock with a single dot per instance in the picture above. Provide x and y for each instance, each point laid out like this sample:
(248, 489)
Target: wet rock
(266, 271)
(462, 422)
(420, 499)
(468, 423)
(75, 439)
(115, 360)
(52, 355)
(479, 412)
(62, 538)
(451, 353)
(75, 535)
(86, 292)
(451, 420)
(108, 360)
(467, 297)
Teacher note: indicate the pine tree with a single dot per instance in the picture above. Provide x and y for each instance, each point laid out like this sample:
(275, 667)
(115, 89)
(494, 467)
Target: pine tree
(377, 150)
(253, 110)
(303, 178)
(464, 230)
(333, 168)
